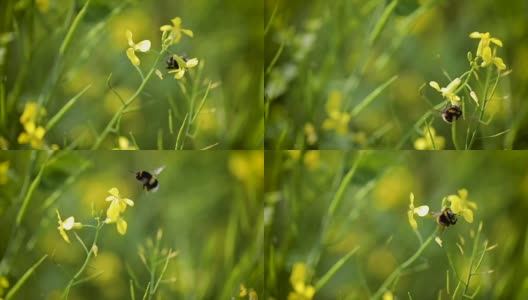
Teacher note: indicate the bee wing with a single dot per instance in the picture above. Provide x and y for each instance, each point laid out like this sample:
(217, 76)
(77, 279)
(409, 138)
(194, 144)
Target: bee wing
(158, 170)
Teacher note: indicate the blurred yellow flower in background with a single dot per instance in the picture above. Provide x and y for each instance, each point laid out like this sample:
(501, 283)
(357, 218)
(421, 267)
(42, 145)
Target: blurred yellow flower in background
(460, 205)
(143, 46)
(430, 141)
(124, 144)
(4, 284)
(33, 135)
(301, 291)
(337, 120)
(4, 167)
(31, 113)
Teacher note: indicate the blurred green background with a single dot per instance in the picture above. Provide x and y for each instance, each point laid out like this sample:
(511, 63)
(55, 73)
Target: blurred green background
(373, 215)
(320, 48)
(227, 40)
(208, 206)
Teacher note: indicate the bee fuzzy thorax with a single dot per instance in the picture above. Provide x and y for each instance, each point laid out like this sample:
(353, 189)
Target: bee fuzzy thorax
(148, 179)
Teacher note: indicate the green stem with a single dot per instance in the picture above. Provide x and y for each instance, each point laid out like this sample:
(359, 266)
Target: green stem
(88, 256)
(127, 103)
(24, 278)
(396, 273)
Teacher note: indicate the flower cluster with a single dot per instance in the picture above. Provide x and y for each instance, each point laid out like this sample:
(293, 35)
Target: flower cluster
(124, 144)
(114, 213)
(337, 119)
(301, 290)
(429, 141)
(171, 34)
(485, 52)
(459, 205)
(4, 168)
(33, 134)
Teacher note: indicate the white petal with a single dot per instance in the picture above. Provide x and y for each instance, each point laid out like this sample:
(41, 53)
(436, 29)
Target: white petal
(422, 210)
(143, 46)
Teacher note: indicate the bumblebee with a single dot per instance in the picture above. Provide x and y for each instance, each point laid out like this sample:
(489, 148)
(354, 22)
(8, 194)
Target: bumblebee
(148, 179)
(446, 217)
(451, 112)
(172, 63)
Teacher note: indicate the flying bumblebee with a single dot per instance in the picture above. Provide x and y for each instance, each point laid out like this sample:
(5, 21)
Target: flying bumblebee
(445, 218)
(149, 179)
(451, 112)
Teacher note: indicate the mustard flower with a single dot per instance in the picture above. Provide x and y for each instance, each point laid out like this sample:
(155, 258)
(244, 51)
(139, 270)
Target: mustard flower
(461, 206)
(485, 52)
(4, 284)
(67, 224)
(448, 92)
(426, 142)
(120, 223)
(337, 120)
(301, 291)
(118, 204)
(421, 211)
(485, 39)
(490, 59)
(176, 30)
(183, 64)
(4, 167)
(243, 291)
(33, 135)
(143, 46)
(124, 144)
(31, 113)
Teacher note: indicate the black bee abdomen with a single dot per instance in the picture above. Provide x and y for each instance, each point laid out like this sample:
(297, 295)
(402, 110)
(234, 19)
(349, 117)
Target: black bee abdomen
(172, 63)
(451, 112)
(448, 217)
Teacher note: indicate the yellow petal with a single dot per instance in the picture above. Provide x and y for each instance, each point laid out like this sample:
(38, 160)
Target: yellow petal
(412, 221)
(422, 210)
(179, 74)
(113, 212)
(40, 132)
(143, 46)
(468, 215)
(176, 22)
(121, 226)
(129, 38)
(499, 63)
(23, 138)
(435, 85)
(191, 63)
(309, 292)
(166, 28)
(159, 74)
(132, 57)
(188, 32)
(496, 42)
(114, 192)
(68, 223)
(411, 200)
(420, 144)
(64, 235)
(463, 193)
(475, 35)
(128, 202)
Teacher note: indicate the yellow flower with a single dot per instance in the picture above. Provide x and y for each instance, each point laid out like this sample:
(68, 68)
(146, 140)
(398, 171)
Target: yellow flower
(426, 142)
(31, 113)
(490, 59)
(176, 30)
(33, 135)
(67, 224)
(117, 206)
(297, 279)
(243, 291)
(124, 144)
(4, 168)
(337, 120)
(183, 64)
(421, 211)
(253, 295)
(4, 284)
(448, 91)
(485, 39)
(388, 296)
(120, 223)
(461, 206)
(142, 46)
